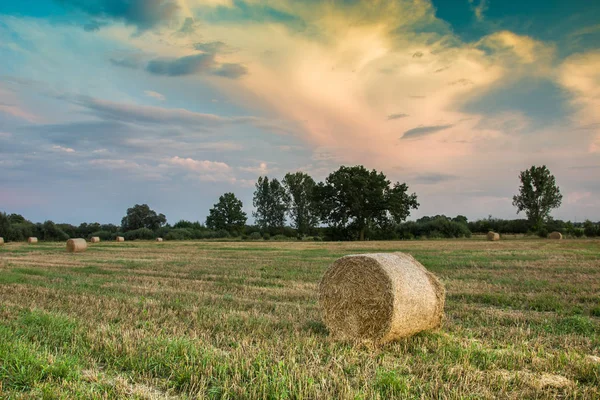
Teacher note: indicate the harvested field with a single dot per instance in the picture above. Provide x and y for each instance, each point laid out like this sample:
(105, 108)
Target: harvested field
(241, 320)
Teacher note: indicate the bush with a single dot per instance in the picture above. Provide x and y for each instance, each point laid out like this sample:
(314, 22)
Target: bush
(179, 234)
(140, 234)
(51, 233)
(255, 236)
(267, 236)
(103, 235)
(542, 232)
(280, 238)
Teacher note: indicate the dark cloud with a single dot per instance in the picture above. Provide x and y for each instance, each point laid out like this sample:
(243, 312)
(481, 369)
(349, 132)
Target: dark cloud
(397, 116)
(424, 130)
(144, 14)
(188, 26)
(203, 63)
(431, 179)
(132, 63)
(93, 26)
(188, 65)
(231, 71)
(210, 47)
(418, 54)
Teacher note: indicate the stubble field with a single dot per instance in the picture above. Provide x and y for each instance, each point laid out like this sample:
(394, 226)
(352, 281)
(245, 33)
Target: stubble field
(241, 320)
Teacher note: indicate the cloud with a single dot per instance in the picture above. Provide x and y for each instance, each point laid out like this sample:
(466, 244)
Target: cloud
(210, 47)
(202, 63)
(63, 149)
(433, 178)
(580, 75)
(424, 130)
(479, 9)
(231, 71)
(188, 65)
(131, 63)
(144, 14)
(261, 169)
(154, 95)
(397, 116)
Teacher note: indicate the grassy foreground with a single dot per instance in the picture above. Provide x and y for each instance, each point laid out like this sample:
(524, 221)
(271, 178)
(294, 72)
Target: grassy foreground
(149, 320)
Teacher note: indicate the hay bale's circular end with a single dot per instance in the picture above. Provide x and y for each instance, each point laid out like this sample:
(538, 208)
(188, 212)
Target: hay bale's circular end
(493, 236)
(120, 239)
(95, 239)
(32, 240)
(1, 241)
(556, 235)
(76, 245)
(159, 239)
(380, 297)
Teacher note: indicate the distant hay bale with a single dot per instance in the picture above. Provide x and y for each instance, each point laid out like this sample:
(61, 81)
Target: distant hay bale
(120, 239)
(1, 241)
(380, 297)
(32, 240)
(159, 239)
(95, 239)
(555, 235)
(76, 245)
(493, 236)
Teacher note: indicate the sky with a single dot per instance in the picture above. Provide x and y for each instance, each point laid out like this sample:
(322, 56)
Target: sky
(109, 103)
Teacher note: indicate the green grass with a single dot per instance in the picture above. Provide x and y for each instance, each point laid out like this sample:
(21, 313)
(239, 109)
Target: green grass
(229, 320)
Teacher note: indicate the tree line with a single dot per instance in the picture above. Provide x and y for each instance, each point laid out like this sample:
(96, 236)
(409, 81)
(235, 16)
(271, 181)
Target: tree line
(352, 203)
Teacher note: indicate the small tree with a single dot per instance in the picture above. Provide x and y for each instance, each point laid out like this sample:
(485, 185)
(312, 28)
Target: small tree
(353, 197)
(538, 195)
(271, 202)
(4, 226)
(141, 216)
(227, 215)
(300, 189)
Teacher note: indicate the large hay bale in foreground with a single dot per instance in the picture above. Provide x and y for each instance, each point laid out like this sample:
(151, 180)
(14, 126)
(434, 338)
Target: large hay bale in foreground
(493, 236)
(1, 241)
(76, 245)
(95, 239)
(120, 239)
(555, 235)
(32, 240)
(159, 239)
(380, 297)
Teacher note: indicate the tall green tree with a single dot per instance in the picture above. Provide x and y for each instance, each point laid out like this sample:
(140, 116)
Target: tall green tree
(271, 202)
(300, 189)
(4, 225)
(141, 216)
(353, 197)
(538, 195)
(227, 214)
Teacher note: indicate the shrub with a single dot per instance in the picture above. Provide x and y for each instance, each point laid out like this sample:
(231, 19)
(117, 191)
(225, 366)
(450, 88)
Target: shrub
(267, 236)
(179, 234)
(280, 237)
(255, 236)
(140, 234)
(103, 235)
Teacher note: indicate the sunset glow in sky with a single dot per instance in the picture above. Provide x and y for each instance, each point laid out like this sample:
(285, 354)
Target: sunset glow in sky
(108, 103)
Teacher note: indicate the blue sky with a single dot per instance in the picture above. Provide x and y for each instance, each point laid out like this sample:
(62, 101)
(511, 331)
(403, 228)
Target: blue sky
(106, 103)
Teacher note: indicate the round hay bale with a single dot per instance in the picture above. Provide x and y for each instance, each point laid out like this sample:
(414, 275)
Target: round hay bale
(555, 235)
(120, 239)
(159, 239)
(380, 297)
(493, 236)
(76, 245)
(1, 241)
(95, 239)
(32, 240)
